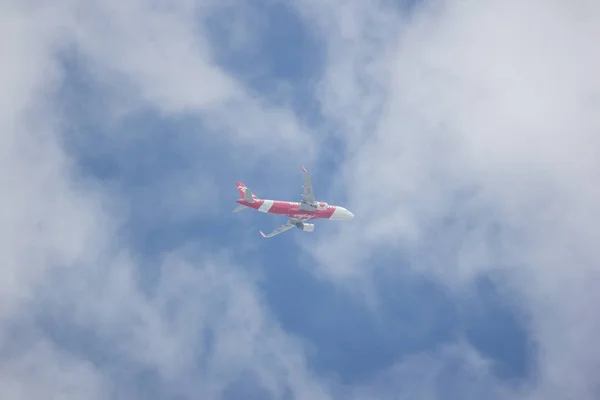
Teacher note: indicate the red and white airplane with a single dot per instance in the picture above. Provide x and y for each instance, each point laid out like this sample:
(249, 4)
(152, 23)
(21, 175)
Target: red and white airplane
(298, 213)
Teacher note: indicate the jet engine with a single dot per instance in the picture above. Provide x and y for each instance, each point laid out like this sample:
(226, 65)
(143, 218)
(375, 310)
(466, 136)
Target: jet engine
(305, 227)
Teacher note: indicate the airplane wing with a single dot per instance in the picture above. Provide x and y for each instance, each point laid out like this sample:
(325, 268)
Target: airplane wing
(279, 230)
(307, 195)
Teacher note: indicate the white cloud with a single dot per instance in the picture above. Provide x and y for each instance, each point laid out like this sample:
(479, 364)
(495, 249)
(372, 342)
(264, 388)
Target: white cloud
(65, 266)
(489, 106)
(438, 374)
(39, 370)
(489, 115)
(158, 55)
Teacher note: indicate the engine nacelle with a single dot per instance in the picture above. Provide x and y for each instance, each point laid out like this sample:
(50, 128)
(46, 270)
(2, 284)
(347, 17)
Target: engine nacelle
(305, 227)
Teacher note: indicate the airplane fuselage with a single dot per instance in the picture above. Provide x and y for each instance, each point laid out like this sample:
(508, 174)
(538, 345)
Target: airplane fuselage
(297, 212)
(293, 211)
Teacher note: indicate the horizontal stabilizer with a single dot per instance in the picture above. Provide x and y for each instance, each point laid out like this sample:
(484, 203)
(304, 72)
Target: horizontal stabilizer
(239, 208)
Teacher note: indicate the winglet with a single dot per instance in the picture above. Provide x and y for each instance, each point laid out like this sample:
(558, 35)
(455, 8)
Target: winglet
(262, 234)
(303, 169)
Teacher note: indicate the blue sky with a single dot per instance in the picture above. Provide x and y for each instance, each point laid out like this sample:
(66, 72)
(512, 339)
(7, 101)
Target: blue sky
(128, 276)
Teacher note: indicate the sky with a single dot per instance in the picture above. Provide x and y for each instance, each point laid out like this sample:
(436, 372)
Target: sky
(462, 134)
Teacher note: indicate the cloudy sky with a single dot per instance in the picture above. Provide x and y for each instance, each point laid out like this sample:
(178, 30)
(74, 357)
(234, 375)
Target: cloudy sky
(464, 135)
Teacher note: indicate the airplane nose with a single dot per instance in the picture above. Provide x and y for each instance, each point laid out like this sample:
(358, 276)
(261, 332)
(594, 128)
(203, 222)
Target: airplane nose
(342, 214)
(346, 214)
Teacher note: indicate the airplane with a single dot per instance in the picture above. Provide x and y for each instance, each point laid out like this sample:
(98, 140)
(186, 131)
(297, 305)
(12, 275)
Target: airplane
(298, 212)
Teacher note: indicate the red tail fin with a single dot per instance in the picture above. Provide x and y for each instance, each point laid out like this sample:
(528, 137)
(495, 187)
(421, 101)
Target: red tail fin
(245, 193)
(241, 188)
